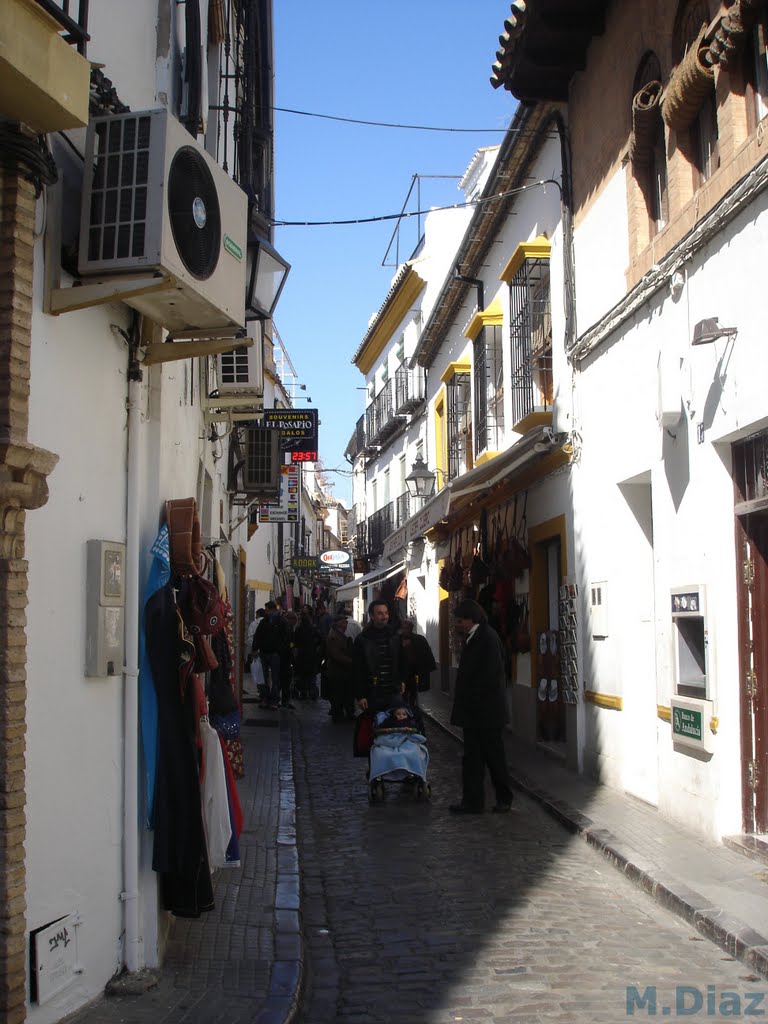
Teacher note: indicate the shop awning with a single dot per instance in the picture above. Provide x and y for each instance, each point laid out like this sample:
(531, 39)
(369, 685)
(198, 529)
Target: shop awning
(350, 590)
(538, 445)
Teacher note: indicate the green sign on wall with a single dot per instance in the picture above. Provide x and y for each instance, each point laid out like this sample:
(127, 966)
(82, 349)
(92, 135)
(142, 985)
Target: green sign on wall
(687, 723)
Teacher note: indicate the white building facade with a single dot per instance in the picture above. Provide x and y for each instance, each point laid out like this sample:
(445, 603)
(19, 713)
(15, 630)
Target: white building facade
(135, 417)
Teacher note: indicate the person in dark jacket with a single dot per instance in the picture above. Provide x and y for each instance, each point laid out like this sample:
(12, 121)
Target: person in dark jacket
(378, 670)
(419, 661)
(270, 641)
(338, 667)
(480, 709)
(307, 660)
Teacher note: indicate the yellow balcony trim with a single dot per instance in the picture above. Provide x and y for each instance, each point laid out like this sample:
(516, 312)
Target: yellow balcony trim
(491, 316)
(663, 712)
(461, 366)
(603, 700)
(409, 290)
(44, 82)
(538, 249)
(485, 457)
(541, 418)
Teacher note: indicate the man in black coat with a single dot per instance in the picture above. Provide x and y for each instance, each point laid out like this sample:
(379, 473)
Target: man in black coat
(480, 709)
(378, 671)
(419, 661)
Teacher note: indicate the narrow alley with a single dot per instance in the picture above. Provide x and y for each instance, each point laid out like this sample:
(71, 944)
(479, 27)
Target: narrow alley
(413, 915)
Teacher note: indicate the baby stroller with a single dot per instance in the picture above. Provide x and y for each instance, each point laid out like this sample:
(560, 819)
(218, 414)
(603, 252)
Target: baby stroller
(398, 754)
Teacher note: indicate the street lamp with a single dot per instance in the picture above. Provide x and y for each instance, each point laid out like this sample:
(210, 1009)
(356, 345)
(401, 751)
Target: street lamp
(265, 275)
(420, 481)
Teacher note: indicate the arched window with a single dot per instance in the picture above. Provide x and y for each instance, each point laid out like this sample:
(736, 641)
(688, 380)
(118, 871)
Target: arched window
(755, 58)
(648, 143)
(690, 103)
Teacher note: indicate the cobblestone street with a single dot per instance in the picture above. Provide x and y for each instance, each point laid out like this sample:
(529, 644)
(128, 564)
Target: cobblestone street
(414, 916)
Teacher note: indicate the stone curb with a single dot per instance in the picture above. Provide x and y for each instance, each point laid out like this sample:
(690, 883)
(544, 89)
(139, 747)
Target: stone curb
(728, 932)
(287, 975)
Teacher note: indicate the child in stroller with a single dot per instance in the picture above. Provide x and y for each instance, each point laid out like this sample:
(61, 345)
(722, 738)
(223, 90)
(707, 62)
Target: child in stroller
(399, 752)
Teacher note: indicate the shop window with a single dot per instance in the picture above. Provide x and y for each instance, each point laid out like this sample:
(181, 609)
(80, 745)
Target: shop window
(531, 339)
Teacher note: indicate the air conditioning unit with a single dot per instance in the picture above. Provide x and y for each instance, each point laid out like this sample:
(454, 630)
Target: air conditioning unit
(242, 372)
(156, 203)
(255, 460)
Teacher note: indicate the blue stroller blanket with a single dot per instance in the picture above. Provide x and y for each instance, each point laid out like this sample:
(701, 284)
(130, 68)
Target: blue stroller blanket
(396, 755)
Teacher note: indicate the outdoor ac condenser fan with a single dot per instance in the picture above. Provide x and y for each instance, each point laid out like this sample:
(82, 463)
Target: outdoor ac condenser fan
(193, 209)
(157, 206)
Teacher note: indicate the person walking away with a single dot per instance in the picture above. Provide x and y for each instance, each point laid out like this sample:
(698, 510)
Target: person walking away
(377, 661)
(418, 659)
(354, 629)
(253, 656)
(323, 620)
(480, 709)
(288, 660)
(307, 660)
(270, 641)
(338, 667)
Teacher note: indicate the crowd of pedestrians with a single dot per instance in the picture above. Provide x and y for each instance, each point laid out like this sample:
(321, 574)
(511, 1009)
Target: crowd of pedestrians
(316, 653)
(385, 663)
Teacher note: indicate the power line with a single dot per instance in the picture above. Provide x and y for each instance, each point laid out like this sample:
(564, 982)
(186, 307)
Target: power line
(388, 124)
(413, 213)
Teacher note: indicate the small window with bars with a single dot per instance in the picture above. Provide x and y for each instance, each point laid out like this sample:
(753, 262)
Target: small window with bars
(459, 425)
(531, 339)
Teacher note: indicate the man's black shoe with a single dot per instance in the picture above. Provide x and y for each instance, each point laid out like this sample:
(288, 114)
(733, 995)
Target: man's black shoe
(501, 808)
(464, 809)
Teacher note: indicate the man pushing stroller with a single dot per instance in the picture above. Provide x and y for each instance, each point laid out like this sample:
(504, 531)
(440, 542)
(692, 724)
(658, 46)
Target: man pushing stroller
(378, 667)
(379, 671)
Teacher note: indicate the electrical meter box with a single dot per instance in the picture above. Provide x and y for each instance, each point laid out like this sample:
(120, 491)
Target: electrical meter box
(105, 608)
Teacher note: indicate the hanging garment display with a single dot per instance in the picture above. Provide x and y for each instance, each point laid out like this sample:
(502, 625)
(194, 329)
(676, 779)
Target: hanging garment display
(179, 850)
(216, 818)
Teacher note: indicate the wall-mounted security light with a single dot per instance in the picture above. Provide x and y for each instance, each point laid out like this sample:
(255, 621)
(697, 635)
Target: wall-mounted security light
(709, 330)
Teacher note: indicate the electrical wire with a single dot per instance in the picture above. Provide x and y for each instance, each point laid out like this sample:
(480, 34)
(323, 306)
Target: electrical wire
(413, 213)
(388, 124)
(30, 154)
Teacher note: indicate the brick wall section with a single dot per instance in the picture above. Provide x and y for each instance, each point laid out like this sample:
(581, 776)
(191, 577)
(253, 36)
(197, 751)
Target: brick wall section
(17, 212)
(600, 125)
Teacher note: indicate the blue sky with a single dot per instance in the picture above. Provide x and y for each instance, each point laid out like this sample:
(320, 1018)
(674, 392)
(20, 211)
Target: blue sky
(416, 62)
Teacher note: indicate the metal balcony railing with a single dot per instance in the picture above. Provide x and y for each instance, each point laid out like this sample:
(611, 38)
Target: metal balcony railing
(380, 418)
(409, 389)
(356, 443)
(75, 29)
(374, 531)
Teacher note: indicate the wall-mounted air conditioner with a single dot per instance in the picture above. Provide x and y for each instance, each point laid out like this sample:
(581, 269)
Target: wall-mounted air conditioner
(156, 203)
(255, 460)
(242, 372)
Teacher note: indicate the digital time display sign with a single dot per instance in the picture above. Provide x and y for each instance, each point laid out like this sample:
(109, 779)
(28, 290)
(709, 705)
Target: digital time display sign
(303, 456)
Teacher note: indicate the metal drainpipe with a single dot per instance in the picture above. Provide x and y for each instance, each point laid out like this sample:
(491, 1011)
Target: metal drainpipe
(566, 198)
(130, 895)
(476, 282)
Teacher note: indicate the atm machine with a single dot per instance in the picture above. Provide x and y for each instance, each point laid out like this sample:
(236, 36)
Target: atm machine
(692, 703)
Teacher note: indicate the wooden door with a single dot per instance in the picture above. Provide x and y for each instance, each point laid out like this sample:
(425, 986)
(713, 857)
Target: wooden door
(750, 476)
(752, 567)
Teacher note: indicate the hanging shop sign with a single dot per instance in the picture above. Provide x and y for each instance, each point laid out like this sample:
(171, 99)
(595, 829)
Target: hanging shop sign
(336, 559)
(304, 562)
(297, 431)
(286, 508)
